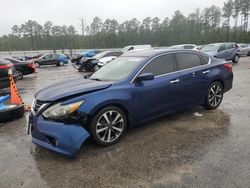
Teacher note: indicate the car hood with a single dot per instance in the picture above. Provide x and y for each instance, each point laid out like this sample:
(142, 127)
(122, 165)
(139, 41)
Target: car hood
(69, 88)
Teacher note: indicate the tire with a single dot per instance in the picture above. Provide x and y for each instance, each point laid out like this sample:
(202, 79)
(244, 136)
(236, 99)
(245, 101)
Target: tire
(105, 133)
(19, 75)
(214, 96)
(236, 59)
(37, 64)
(60, 63)
(248, 54)
(15, 112)
(96, 68)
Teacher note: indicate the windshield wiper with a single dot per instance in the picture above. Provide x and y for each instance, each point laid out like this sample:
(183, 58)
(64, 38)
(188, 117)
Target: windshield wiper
(96, 79)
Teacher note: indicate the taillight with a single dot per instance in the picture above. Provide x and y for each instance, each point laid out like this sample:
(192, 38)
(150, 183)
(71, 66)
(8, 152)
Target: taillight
(6, 66)
(228, 67)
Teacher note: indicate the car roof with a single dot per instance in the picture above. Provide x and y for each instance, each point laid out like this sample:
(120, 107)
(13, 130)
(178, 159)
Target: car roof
(219, 43)
(155, 52)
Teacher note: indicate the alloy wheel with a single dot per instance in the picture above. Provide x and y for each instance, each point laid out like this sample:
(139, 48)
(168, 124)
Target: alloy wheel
(110, 126)
(96, 67)
(215, 95)
(19, 75)
(236, 59)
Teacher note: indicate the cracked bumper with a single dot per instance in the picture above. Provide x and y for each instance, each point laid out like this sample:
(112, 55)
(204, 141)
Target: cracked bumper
(62, 138)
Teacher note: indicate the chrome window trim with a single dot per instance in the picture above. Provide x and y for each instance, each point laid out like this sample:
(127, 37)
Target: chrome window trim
(209, 62)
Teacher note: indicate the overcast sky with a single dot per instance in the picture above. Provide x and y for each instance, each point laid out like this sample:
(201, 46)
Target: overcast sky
(70, 11)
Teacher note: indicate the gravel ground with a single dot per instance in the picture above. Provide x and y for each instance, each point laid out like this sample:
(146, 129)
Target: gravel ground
(179, 150)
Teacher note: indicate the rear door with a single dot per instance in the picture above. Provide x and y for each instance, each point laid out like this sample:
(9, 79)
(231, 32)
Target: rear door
(230, 51)
(192, 72)
(222, 52)
(160, 95)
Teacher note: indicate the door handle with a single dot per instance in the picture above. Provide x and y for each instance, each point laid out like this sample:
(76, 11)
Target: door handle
(206, 72)
(174, 81)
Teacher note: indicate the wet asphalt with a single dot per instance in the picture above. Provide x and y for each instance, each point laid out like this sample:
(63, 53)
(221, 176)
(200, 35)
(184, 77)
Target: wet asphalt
(178, 150)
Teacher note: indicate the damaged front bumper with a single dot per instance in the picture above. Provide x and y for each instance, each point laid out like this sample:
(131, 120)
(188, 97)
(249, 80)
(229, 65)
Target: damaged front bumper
(59, 137)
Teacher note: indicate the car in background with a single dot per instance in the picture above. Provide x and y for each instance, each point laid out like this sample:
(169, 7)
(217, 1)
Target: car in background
(6, 68)
(132, 89)
(23, 67)
(75, 60)
(136, 47)
(93, 64)
(52, 59)
(244, 49)
(26, 58)
(228, 51)
(184, 46)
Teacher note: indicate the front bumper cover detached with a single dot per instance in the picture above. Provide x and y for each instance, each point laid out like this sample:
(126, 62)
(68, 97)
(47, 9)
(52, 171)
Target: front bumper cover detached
(63, 138)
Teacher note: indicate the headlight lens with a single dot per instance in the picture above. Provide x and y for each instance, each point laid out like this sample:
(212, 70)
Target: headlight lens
(59, 110)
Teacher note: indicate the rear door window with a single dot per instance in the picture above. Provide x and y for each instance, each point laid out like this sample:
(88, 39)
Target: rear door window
(187, 60)
(205, 59)
(161, 65)
(230, 46)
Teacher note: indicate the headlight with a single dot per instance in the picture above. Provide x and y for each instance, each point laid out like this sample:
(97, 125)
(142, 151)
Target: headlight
(59, 110)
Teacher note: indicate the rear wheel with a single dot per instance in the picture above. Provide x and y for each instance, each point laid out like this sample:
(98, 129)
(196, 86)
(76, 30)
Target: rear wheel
(214, 96)
(236, 59)
(248, 54)
(108, 126)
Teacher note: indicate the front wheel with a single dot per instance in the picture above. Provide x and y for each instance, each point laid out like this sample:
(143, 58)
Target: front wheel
(214, 96)
(96, 67)
(248, 54)
(236, 59)
(108, 126)
(37, 64)
(19, 75)
(61, 63)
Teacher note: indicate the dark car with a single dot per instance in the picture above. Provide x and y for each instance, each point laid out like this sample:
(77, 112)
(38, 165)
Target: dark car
(6, 67)
(134, 88)
(52, 59)
(91, 64)
(26, 58)
(228, 51)
(23, 67)
(77, 57)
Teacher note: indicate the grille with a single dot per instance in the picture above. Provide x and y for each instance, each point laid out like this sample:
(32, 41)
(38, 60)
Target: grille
(37, 105)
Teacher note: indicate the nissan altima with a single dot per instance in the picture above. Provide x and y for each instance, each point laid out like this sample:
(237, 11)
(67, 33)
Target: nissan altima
(134, 88)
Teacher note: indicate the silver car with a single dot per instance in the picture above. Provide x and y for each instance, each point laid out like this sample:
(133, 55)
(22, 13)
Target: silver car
(244, 49)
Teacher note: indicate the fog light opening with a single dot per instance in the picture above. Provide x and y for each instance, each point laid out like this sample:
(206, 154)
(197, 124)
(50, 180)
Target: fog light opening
(53, 141)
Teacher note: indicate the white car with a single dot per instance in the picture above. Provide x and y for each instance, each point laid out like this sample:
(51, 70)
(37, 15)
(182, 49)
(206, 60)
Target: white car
(103, 61)
(185, 46)
(244, 49)
(136, 47)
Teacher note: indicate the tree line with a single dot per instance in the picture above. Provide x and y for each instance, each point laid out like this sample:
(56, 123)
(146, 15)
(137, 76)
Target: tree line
(212, 24)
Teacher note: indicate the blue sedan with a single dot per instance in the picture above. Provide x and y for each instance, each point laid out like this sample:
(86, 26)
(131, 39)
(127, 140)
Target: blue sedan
(136, 87)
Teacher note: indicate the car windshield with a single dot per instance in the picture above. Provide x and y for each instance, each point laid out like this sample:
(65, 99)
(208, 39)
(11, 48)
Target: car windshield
(117, 70)
(210, 48)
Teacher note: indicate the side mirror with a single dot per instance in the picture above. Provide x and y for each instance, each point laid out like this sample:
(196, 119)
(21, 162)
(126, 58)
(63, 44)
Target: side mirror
(145, 76)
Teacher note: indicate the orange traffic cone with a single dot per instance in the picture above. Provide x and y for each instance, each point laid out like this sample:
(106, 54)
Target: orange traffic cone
(15, 96)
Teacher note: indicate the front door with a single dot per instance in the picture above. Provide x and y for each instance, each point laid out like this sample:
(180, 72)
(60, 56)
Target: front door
(160, 95)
